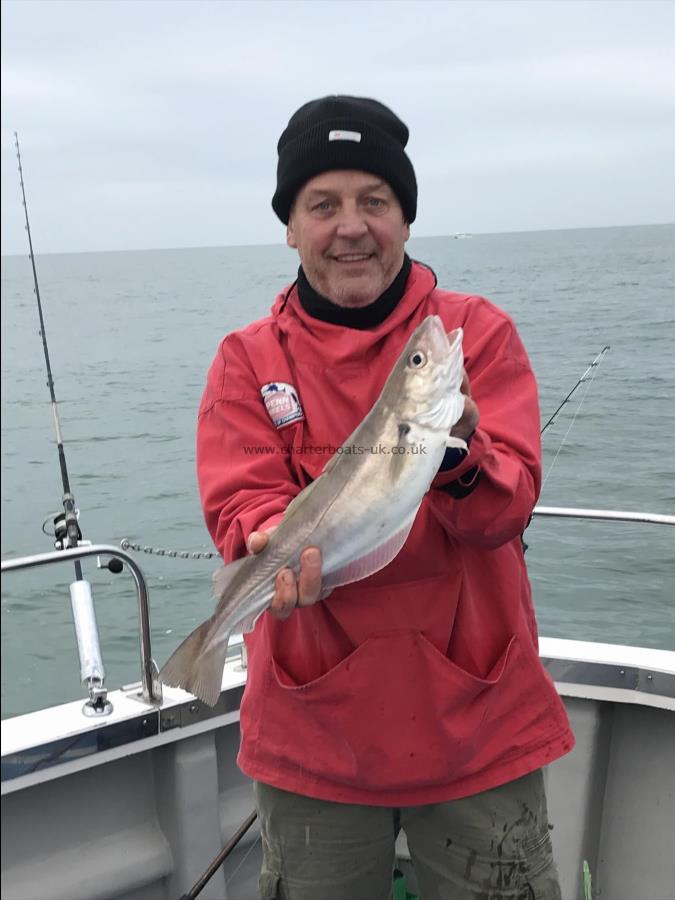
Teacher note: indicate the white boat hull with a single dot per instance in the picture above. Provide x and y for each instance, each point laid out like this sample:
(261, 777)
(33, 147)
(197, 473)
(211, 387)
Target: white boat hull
(136, 805)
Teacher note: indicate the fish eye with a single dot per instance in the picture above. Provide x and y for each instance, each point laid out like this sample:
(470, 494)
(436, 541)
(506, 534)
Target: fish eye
(417, 359)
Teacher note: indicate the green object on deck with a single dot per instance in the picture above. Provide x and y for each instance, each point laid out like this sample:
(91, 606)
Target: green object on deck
(400, 890)
(588, 885)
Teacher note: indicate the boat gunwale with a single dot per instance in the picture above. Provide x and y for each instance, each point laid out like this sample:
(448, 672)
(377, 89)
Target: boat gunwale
(51, 742)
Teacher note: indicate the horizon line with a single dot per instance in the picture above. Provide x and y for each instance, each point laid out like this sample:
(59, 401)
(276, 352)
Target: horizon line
(451, 236)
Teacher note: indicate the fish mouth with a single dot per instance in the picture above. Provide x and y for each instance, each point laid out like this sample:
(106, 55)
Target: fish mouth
(440, 403)
(443, 351)
(439, 344)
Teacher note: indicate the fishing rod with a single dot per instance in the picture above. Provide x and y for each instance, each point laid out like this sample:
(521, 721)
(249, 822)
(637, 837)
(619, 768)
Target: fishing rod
(580, 381)
(66, 525)
(221, 857)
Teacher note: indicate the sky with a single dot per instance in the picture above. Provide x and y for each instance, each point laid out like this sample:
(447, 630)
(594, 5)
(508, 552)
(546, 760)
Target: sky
(154, 123)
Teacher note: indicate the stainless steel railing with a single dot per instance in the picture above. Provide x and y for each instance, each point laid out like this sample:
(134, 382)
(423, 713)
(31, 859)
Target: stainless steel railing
(604, 515)
(151, 690)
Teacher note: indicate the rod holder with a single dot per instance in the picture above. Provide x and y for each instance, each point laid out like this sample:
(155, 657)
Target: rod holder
(151, 687)
(92, 671)
(86, 631)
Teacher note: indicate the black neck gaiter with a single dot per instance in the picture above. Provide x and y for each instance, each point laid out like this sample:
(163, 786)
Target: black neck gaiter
(360, 317)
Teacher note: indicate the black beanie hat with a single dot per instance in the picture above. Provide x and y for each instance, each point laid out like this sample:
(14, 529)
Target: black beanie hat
(339, 132)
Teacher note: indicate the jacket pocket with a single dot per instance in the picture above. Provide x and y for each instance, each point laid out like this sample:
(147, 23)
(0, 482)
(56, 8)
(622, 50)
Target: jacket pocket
(394, 712)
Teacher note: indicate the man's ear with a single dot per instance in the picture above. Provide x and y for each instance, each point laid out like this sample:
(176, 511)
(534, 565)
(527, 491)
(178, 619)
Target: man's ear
(290, 234)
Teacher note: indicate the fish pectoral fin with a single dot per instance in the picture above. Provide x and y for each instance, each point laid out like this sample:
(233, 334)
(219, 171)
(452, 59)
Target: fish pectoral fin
(368, 564)
(456, 442)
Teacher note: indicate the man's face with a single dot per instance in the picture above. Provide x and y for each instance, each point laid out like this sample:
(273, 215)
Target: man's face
(350, 234)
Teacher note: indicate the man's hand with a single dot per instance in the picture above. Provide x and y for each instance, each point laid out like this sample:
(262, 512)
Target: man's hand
(289, 590)
(470, 417)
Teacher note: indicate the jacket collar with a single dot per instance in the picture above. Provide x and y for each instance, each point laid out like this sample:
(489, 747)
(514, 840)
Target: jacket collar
(362, 317)
(342, 344)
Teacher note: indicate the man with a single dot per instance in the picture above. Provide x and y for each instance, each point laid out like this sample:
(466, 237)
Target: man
(414, 698)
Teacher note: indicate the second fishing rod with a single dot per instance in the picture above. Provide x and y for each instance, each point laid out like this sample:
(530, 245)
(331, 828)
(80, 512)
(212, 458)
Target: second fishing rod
(582, 378)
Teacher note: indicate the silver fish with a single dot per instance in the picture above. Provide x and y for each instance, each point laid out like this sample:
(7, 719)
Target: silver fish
(359, 511)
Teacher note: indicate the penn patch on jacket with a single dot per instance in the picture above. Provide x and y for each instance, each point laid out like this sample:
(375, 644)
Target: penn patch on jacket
(282, 403)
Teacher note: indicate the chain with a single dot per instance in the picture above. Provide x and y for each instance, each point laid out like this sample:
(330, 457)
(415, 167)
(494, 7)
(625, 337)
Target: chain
(175, 554)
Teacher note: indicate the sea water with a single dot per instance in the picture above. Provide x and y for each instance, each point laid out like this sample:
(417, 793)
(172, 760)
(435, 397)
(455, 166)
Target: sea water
(131, 335)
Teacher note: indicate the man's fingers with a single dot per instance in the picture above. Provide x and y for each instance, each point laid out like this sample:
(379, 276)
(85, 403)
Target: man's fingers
(291, 592)
(309, 583)
(469, 420)
(285, 594)
(257, 540)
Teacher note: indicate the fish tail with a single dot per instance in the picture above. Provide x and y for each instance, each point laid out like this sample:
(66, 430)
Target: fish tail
(195, 667)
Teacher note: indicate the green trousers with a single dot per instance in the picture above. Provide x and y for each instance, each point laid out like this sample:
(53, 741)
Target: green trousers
(493, 846)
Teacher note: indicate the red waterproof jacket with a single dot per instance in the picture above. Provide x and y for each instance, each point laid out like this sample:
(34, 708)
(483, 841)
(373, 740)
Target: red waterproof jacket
(421, 683)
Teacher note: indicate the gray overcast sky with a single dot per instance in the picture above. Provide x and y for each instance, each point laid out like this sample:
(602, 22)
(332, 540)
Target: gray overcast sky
(147, 123)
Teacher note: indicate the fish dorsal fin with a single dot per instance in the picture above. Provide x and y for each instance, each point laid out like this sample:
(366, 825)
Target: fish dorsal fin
(330, 465)
(223, 577)
(372, 562)
(301, 498)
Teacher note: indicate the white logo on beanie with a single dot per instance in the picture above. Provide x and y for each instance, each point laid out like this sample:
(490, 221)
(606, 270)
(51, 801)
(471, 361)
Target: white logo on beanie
(345, 136)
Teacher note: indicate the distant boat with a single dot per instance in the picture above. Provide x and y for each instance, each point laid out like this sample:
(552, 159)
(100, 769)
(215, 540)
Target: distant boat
(461, 234)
